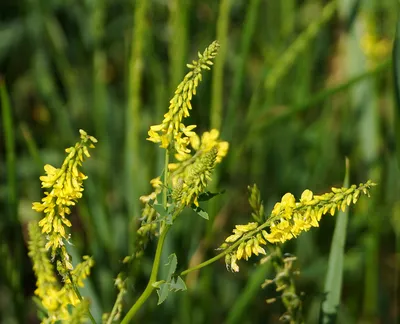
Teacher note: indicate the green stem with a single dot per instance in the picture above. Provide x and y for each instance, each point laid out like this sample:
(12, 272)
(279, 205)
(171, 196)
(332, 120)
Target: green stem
(80, 296)
(115, 308)
(230, 249)
(154, 271)
(153, 277)
(165, 201)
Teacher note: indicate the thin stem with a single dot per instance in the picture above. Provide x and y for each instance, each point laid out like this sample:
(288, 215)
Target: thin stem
(115, 307)
(230, 249)
(153, 276)
(164, 228)
(165, 187)
(80, 296)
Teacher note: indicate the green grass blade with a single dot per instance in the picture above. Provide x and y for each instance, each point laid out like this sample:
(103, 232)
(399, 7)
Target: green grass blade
(10, 220)
(334, 276)
(10, 152)
(134, 171)
(178, 20)
(218, 70)
(248, 31)
(396, 81)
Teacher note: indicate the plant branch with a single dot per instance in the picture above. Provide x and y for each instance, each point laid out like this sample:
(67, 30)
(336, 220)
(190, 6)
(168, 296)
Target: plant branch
(164, 228)
(153, 277)
(229, 249)
(75, 288)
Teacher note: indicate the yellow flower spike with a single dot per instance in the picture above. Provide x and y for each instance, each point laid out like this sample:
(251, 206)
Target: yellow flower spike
(169, 131)
(65, 187)
(301, 216)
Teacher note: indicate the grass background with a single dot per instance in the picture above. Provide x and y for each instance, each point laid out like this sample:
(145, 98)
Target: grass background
(296, 87)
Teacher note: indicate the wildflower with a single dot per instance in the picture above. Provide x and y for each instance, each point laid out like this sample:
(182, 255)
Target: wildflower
(64, 188)
(56, 299)
(291, 218)
(288, 219)
(172, 130)
(196, 177)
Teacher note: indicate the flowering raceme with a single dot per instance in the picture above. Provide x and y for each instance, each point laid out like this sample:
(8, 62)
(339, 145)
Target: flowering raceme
(64, 187)
(288, 219)
(56, 298)
(195, 156)
(172, 130)
(62, 301)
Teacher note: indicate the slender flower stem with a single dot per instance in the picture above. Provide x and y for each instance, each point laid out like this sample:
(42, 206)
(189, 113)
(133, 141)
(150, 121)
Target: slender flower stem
(230, 249)
(75, 288)
(114, 310)
(165, 178)
(164, 228)
(153, 277)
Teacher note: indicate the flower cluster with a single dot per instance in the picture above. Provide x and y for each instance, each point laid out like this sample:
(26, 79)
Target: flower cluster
(195, 178)
(192, 172)
(56, 298)
(288, 219)
(64, 188)
(172, 130)
(247, 247)
(187, 178)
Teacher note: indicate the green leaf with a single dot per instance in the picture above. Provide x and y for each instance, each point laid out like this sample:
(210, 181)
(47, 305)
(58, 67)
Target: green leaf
(209, 195)
(171, 266)
(160, 209)
(164, 214)
(162, 293)
(334, 276)
(178, 284)
(201, 212)
(170, 284)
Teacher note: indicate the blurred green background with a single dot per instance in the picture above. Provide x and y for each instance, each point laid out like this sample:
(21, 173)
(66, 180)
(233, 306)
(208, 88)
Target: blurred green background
(298, 85)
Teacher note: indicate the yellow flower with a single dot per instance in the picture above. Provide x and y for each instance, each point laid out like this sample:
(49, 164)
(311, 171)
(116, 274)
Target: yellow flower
(56, 298)
(64, 189)
(171, 129)
(295, 218)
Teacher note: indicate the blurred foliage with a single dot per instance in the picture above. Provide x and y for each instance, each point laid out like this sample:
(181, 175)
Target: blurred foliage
(299, 86)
